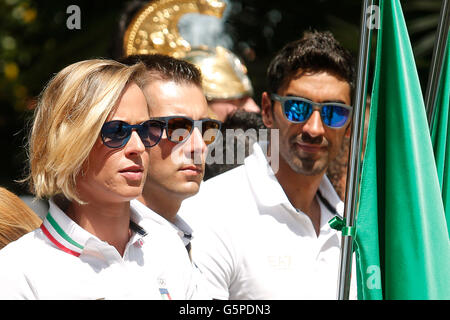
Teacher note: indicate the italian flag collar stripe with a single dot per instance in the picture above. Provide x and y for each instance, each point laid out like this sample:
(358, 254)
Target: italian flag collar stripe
(61, 232)
(55, 242)
(59, 237)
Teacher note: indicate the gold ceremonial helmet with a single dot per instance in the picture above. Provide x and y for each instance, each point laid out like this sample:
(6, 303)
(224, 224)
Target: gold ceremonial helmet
(154, 29)
(224, 75)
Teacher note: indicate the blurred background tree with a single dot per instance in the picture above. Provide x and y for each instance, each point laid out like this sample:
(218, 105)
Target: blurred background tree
(35, 43)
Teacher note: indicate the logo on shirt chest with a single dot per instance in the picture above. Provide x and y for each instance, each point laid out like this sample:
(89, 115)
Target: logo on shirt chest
(280, 262)
(165, 295)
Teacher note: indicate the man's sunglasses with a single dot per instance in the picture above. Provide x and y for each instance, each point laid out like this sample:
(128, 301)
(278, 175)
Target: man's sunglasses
(116, 133)
(179, 128)
(298, 110)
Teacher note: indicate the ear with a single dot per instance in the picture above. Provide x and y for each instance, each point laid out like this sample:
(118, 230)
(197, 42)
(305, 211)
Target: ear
(267, 110)
(348, 131)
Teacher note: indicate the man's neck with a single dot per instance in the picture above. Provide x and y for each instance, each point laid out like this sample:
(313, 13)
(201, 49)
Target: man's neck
(164, 205)
(301, 191)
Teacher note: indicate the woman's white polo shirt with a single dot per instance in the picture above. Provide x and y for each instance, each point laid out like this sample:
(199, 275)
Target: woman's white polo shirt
(61, 260)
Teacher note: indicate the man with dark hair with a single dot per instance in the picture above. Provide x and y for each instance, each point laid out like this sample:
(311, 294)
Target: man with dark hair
(238, 134)
(163, 67)
(315, 51)
(174, 94)
(262, 230)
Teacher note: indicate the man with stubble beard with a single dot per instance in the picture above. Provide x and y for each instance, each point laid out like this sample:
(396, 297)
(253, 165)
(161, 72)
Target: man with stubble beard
(175, 98)
(262, 229)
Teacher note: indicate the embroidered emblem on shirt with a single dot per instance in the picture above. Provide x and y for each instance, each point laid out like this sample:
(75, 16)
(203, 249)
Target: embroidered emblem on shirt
(280, 262)
(164, 294)
(163, 290)
(139, 243)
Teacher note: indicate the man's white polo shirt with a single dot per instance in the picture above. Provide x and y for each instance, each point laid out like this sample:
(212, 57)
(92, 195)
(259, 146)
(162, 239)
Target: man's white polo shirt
(251, 243)
(60, 260)
(180, 227)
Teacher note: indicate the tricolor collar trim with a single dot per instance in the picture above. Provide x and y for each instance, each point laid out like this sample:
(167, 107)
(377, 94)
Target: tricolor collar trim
(59, 237)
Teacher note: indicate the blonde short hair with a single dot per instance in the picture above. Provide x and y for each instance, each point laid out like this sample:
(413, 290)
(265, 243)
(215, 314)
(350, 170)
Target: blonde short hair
(70, 113)
(16, 218)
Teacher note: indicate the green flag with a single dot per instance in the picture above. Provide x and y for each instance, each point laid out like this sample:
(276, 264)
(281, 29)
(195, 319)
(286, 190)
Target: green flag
(440, 133)
(402, 245)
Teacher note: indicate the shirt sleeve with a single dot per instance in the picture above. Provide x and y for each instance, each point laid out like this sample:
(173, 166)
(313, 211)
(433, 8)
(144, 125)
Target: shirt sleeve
(14, 283)
(198, 288)
(214, 254)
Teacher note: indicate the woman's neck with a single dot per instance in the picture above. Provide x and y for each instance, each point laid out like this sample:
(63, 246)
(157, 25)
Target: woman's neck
(109, 222)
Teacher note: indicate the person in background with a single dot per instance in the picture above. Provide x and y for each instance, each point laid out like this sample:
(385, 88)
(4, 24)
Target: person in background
(16, 218)
(88, 152)
(238, 134)
(225, 82)
(262, 229)
(337, 170)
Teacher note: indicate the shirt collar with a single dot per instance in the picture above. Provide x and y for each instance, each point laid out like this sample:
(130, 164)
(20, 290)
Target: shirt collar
(69, 236)
(265, 186)
(327, 191)
(268, 191)
(179, 225)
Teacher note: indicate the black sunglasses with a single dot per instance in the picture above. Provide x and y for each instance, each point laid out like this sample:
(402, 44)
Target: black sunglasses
(179, 128)
(296, 109)
(116, 133)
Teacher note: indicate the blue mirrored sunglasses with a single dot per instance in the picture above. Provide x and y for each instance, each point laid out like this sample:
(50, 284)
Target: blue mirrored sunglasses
(116, 133)
(298, 110)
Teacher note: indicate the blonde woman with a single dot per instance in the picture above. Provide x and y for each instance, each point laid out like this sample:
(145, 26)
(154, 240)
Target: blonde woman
(16, 218)
(88, 152)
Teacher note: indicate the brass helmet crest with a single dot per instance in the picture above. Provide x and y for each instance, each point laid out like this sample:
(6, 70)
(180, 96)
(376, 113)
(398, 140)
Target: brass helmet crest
(154, 29)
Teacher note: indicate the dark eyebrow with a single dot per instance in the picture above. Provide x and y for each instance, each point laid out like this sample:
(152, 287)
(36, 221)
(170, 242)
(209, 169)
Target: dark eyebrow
(335, 101)
(326, 101)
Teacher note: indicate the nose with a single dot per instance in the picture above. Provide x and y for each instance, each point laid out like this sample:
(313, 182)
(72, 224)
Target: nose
(250, 105)
(314, 125)
(197, 146)
(134, 146)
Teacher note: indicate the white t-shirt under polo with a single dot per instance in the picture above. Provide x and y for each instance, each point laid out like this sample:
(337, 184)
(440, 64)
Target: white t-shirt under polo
(251, 243)
(60, 260)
